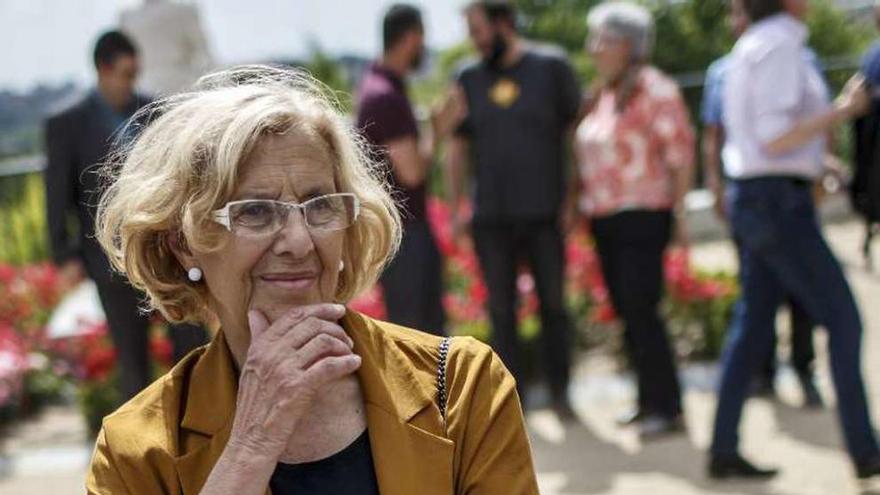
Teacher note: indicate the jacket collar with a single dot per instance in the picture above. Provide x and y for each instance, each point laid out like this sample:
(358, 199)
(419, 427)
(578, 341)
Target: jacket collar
(407, 435)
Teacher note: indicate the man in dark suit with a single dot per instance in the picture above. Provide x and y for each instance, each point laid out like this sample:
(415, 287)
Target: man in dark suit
(78, 140)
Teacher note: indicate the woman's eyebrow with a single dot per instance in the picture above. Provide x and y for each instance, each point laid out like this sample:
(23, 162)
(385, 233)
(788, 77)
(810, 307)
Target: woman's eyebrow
(316, 191)
(255, 194)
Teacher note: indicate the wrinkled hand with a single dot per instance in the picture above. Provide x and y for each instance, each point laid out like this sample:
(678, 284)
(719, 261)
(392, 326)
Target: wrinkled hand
(288, 364)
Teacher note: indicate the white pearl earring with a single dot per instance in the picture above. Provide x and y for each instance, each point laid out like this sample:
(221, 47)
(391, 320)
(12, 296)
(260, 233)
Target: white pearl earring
(194, 274)
(341, 265)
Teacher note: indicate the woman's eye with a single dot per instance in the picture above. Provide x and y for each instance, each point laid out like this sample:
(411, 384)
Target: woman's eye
(255, 212)
(321, 204)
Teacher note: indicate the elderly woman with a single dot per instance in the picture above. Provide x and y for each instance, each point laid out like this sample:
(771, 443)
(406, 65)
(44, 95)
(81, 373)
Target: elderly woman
(634, 150)
(249, 202)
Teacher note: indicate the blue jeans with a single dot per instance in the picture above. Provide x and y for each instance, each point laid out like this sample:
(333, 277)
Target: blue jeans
(782, 251)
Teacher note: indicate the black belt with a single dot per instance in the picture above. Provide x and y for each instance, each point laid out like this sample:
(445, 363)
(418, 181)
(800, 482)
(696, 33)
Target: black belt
(794, 180)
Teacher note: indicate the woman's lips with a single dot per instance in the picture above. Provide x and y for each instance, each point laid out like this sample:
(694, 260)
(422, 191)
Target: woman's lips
(290, 281)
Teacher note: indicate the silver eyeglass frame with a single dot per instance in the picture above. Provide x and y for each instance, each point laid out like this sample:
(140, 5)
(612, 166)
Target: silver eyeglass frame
(221, 216)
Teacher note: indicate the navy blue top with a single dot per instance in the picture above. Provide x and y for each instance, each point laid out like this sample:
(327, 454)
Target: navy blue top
(348, 471)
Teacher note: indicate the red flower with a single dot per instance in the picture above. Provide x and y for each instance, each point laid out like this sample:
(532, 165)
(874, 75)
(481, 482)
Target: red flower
(7, 273)
(371, 303)
(99, 362)
(161, 349)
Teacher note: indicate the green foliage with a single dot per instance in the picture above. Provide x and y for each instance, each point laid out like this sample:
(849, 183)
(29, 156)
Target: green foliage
(327, 70)
(23, 219)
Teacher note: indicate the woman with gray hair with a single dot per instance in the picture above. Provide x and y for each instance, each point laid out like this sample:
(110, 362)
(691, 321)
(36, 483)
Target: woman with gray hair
(635, 156)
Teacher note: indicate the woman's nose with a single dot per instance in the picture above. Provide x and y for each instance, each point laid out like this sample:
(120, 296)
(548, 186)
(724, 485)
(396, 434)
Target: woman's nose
(294, 238)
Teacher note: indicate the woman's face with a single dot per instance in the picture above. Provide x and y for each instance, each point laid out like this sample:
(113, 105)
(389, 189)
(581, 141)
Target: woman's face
(611, 53)
(294, 267)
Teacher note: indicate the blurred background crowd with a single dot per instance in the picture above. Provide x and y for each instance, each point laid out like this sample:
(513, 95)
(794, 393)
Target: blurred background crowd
(558, 162)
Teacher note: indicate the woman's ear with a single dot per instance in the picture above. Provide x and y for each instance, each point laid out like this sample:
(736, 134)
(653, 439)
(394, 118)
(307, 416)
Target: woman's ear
(176, 243)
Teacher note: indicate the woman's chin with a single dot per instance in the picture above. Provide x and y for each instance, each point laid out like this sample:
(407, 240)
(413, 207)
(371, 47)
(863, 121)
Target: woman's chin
(274, 306)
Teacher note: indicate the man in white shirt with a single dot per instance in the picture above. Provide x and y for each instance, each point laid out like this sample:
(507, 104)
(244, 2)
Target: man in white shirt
(776, 117)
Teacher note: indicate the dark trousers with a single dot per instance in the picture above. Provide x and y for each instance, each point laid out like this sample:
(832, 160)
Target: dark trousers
(500, 248)
(631, 246)
(803, 354)
(782, 252)
(129, 331)
(413, 282)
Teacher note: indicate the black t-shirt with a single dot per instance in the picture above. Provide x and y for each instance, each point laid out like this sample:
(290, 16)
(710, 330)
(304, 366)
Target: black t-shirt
(385, 114)
(516, 126)
(348, 471)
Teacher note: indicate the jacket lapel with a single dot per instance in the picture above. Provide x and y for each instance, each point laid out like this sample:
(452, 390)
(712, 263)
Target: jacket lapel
(207, 415)
(410, 450)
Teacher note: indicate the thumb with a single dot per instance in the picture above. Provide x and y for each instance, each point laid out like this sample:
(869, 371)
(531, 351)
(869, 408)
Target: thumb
(258, 323)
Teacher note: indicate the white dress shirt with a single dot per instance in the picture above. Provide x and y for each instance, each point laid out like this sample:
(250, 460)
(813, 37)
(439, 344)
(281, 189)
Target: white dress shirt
(768, 90)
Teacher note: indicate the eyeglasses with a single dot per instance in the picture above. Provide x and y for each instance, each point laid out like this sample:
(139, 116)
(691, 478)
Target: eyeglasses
(264, 217)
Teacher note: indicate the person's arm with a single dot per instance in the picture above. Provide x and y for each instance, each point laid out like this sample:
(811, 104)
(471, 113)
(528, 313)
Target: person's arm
(571, 102)
(778, 81)
(60, 179)
(410, 161)
(457, 150)
(104, 476)
(672, 126)
(412, 158)
(485, 419)
(713, 137)
(809, 129)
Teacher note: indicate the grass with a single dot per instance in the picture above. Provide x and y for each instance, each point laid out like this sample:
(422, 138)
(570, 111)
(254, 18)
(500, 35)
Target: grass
(23, 231)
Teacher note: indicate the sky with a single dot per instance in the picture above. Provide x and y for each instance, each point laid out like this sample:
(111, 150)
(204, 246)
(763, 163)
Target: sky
(49, 41)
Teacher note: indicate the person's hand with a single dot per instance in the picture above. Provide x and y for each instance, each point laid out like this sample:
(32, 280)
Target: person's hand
(570, 216)
(450, 113)
(718, 193)
(288, 364)
(854, 99)
(71, 273)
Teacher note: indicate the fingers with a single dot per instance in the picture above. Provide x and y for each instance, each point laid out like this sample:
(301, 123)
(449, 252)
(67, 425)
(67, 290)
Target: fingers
(320, 347)
(258, 323)
(332, 368)
(327, 312)
(311, 328)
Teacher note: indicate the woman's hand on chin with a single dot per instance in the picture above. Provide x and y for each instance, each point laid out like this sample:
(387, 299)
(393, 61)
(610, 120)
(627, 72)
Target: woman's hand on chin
(288, 363)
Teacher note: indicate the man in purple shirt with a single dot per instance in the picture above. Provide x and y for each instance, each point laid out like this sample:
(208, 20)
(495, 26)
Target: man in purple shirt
(412, 283)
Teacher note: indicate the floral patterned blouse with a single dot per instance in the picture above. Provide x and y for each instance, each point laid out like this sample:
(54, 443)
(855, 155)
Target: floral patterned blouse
(625, 159)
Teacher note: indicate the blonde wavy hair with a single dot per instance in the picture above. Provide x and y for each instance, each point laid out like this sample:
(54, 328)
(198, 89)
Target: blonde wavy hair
(186, 163)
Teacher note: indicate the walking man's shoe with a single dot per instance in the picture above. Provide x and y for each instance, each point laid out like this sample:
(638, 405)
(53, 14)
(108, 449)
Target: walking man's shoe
(735, 466)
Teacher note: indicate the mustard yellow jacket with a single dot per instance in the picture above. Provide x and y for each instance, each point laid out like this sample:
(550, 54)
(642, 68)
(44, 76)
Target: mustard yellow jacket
(167, 439)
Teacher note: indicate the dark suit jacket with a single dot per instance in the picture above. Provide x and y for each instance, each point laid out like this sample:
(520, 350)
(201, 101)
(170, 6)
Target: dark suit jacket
(78, 140)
